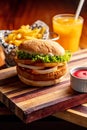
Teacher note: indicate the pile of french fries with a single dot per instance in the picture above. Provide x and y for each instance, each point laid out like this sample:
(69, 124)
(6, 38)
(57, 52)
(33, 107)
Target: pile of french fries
(25, 32)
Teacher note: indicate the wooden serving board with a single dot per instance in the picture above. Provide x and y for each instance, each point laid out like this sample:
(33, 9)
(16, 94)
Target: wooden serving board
(32, 103)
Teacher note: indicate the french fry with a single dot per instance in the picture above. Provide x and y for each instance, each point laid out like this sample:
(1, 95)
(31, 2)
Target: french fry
(24, 33)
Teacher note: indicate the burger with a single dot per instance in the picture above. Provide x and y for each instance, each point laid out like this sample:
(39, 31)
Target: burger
(41, 62)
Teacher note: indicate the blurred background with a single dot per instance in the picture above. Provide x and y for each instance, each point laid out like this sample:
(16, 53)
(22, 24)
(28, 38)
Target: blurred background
(14, 13)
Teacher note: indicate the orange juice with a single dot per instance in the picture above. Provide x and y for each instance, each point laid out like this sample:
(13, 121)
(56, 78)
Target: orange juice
(69, 30)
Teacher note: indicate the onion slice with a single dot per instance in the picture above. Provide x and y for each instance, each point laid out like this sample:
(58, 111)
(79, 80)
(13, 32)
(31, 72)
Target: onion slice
(30, 62)
(45, 71)
(30, 66)
(39, 69)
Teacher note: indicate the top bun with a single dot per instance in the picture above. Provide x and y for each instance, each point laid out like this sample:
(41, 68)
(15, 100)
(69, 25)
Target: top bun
(39, 46)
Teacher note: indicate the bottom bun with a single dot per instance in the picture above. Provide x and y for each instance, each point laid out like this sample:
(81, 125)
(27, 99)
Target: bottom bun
(39, 83)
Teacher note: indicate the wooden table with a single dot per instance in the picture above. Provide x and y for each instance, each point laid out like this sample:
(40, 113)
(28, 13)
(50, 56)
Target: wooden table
(76, 115)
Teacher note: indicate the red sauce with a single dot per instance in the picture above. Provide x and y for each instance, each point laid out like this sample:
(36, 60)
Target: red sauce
(81, 73)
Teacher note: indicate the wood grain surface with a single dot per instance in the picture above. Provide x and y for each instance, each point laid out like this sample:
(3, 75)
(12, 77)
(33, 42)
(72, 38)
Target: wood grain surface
(76, 115)
(31, 103)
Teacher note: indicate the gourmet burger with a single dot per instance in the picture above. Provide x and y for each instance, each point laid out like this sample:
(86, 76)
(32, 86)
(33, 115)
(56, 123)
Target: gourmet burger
(41, 62)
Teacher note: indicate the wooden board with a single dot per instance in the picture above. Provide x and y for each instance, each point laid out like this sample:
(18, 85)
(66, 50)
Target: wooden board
(31, 103)
(76, 115)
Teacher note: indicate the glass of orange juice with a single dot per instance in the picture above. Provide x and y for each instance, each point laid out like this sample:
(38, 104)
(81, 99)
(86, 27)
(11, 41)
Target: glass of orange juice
(69, 30)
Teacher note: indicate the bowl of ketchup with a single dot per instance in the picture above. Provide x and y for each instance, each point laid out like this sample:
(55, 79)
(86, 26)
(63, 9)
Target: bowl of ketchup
(78, 79)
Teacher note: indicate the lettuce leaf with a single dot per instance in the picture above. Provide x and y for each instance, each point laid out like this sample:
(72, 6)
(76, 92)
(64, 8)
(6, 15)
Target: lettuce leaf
(44, 58)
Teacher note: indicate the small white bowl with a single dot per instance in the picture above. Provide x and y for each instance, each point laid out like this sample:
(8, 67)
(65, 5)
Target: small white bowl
(78, 83)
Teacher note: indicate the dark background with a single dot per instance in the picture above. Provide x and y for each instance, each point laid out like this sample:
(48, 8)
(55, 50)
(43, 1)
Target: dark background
(14, 13)
(11, 122)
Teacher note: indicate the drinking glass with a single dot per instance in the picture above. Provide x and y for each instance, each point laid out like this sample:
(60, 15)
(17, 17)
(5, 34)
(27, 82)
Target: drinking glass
(69, 30)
